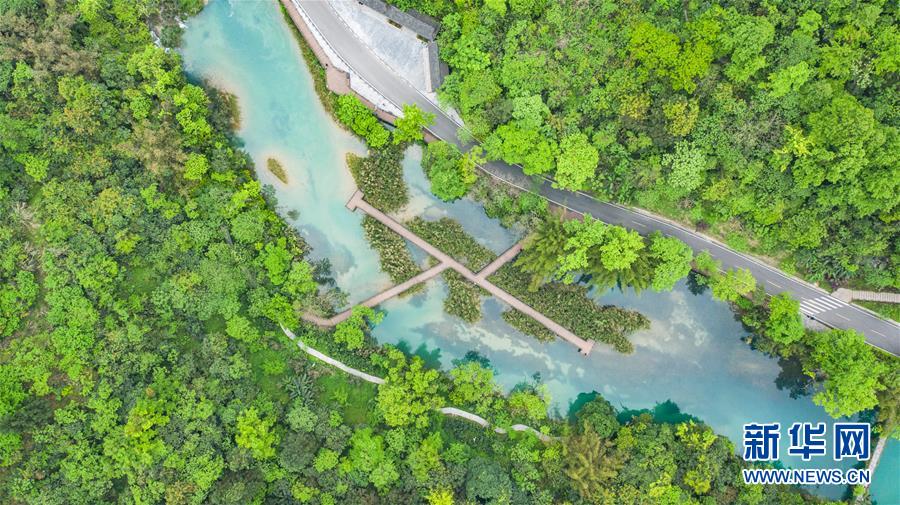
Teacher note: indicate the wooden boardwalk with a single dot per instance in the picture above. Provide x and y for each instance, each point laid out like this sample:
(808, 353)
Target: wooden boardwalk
(379, 298)
(501, 260)
(583, 346)
(848, 295)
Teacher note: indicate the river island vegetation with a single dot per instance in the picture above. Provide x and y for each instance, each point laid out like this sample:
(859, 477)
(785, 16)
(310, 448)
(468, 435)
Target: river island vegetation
(277, 169)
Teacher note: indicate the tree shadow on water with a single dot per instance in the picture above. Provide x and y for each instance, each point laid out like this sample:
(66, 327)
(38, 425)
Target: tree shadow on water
(432, 358)
(666, 412)
(792, 378)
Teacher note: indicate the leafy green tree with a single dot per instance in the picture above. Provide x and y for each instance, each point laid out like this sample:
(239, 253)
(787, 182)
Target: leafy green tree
(368, 457)
(671, 261)
(410, 392)
(277, 260)
(688, 167)
(784, 324)
(851, 369)
(600, 416)
(351, 331)
(514, 143)
(301, 418)
(256, 434)
(542, 250)
(350, 111)
(411, 123)
(593, 463)
(425, 460)
(325, 460)
(531, 405)
(240, 328)
(439, 497)
(473, 384)
(577, 161)
(450, 172)
(733, 284)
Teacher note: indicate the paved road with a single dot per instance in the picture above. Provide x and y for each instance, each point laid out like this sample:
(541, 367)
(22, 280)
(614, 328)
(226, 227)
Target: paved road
(815, 303)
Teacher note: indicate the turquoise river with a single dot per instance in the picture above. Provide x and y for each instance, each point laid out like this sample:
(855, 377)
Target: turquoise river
(692, 355)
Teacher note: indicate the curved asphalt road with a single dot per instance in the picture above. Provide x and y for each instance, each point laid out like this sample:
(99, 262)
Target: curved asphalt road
(814, 302)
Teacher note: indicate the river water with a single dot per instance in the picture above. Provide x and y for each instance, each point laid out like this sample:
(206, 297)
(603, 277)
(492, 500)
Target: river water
(692, 354)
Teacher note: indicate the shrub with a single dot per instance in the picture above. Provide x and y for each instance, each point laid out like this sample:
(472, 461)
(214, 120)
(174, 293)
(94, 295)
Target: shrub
(277, 170)
(380, 177)
(450, 237)
(570, 306)
(395, 257)
(355, 115)
(463, 299)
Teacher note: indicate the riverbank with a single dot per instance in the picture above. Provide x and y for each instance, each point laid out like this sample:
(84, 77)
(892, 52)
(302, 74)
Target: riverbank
(692, 354)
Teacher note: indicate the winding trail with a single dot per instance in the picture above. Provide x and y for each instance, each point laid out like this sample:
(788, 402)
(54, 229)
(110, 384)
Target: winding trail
(447, 411)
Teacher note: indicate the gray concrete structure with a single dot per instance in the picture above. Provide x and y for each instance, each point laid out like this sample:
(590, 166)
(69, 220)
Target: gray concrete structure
(437, 69)
(422, 25)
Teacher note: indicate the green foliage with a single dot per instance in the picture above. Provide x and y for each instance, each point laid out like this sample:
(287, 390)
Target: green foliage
(411, 123)
(242, 329)
(380, 177)
(255, 433)
(474, 387)
(396, 260)
(732, 285)
(576, 163)
(301, 418)
(672, 261)
(570, 306)
(784, 324)
(688, 167)
(463, 298)
(367, 456)
(512, 208)
(425, 460)
(530, 405)
(720, 115)
(888, 310)
(450, 237)
(140, 289)
(195, 167)
(325, 460)
(355, 115)
(352, 331)
(410, 392)
(852, 372)
(16, 297)
(450, 172)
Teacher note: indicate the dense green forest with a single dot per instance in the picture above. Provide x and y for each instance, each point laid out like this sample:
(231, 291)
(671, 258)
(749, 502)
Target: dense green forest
(144, 277)
(770, 124)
